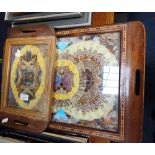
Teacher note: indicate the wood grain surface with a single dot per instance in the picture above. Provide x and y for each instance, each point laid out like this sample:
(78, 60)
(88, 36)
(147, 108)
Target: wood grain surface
(131, 103)
(18, 118)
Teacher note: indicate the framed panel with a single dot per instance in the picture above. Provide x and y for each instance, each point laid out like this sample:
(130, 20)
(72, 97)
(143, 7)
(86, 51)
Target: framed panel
(37, 16)
(27, 77)
(53, 19)
(97, 89)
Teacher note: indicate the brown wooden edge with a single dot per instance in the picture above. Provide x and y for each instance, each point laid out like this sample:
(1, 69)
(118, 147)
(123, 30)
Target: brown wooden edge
(102, 18)
(40, 30)
(132, 57)
(37, 121)
(136, 48)
(94, 139)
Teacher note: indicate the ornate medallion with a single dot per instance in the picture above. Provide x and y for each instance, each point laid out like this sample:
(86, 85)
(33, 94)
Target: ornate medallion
(67, 80)
(28, 76)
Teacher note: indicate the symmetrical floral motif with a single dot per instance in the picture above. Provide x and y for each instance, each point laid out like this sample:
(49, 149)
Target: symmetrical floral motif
(27, 76)
(66, 80)
(88, 105)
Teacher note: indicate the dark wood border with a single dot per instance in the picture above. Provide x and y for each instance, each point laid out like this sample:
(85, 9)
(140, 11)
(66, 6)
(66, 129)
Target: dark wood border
(132, 58)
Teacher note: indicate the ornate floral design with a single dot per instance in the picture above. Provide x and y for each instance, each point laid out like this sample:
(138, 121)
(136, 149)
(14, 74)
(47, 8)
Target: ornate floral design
(28, 76)
(88, 106)
(66, 81)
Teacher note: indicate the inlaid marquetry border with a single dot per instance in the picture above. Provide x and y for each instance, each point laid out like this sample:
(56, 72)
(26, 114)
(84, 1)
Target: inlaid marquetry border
(122, 28)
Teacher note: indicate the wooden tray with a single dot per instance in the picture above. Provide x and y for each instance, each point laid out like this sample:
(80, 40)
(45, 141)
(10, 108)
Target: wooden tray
(99, 81)
(27, 77)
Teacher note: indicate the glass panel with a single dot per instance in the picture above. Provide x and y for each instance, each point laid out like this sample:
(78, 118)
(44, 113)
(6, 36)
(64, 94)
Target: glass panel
(87, 81)
(27, 76)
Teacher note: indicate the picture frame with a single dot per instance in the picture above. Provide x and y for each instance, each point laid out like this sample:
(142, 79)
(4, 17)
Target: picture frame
(121, 46)
(57, 20)
(27, 76)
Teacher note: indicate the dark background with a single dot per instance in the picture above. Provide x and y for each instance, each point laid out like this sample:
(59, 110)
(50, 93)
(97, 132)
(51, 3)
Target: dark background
(149, 107)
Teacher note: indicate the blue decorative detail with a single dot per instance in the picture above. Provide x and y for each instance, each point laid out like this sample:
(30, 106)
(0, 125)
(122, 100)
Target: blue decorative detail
(62, 45)
(57, 80)
(61, 116)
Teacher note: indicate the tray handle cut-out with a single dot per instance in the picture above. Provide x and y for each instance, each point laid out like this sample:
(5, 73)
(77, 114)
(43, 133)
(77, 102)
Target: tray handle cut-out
(137, 82)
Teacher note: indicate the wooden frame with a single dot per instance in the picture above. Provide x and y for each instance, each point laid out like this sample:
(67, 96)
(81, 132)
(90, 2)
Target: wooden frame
(17, 112)
(131, 82)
